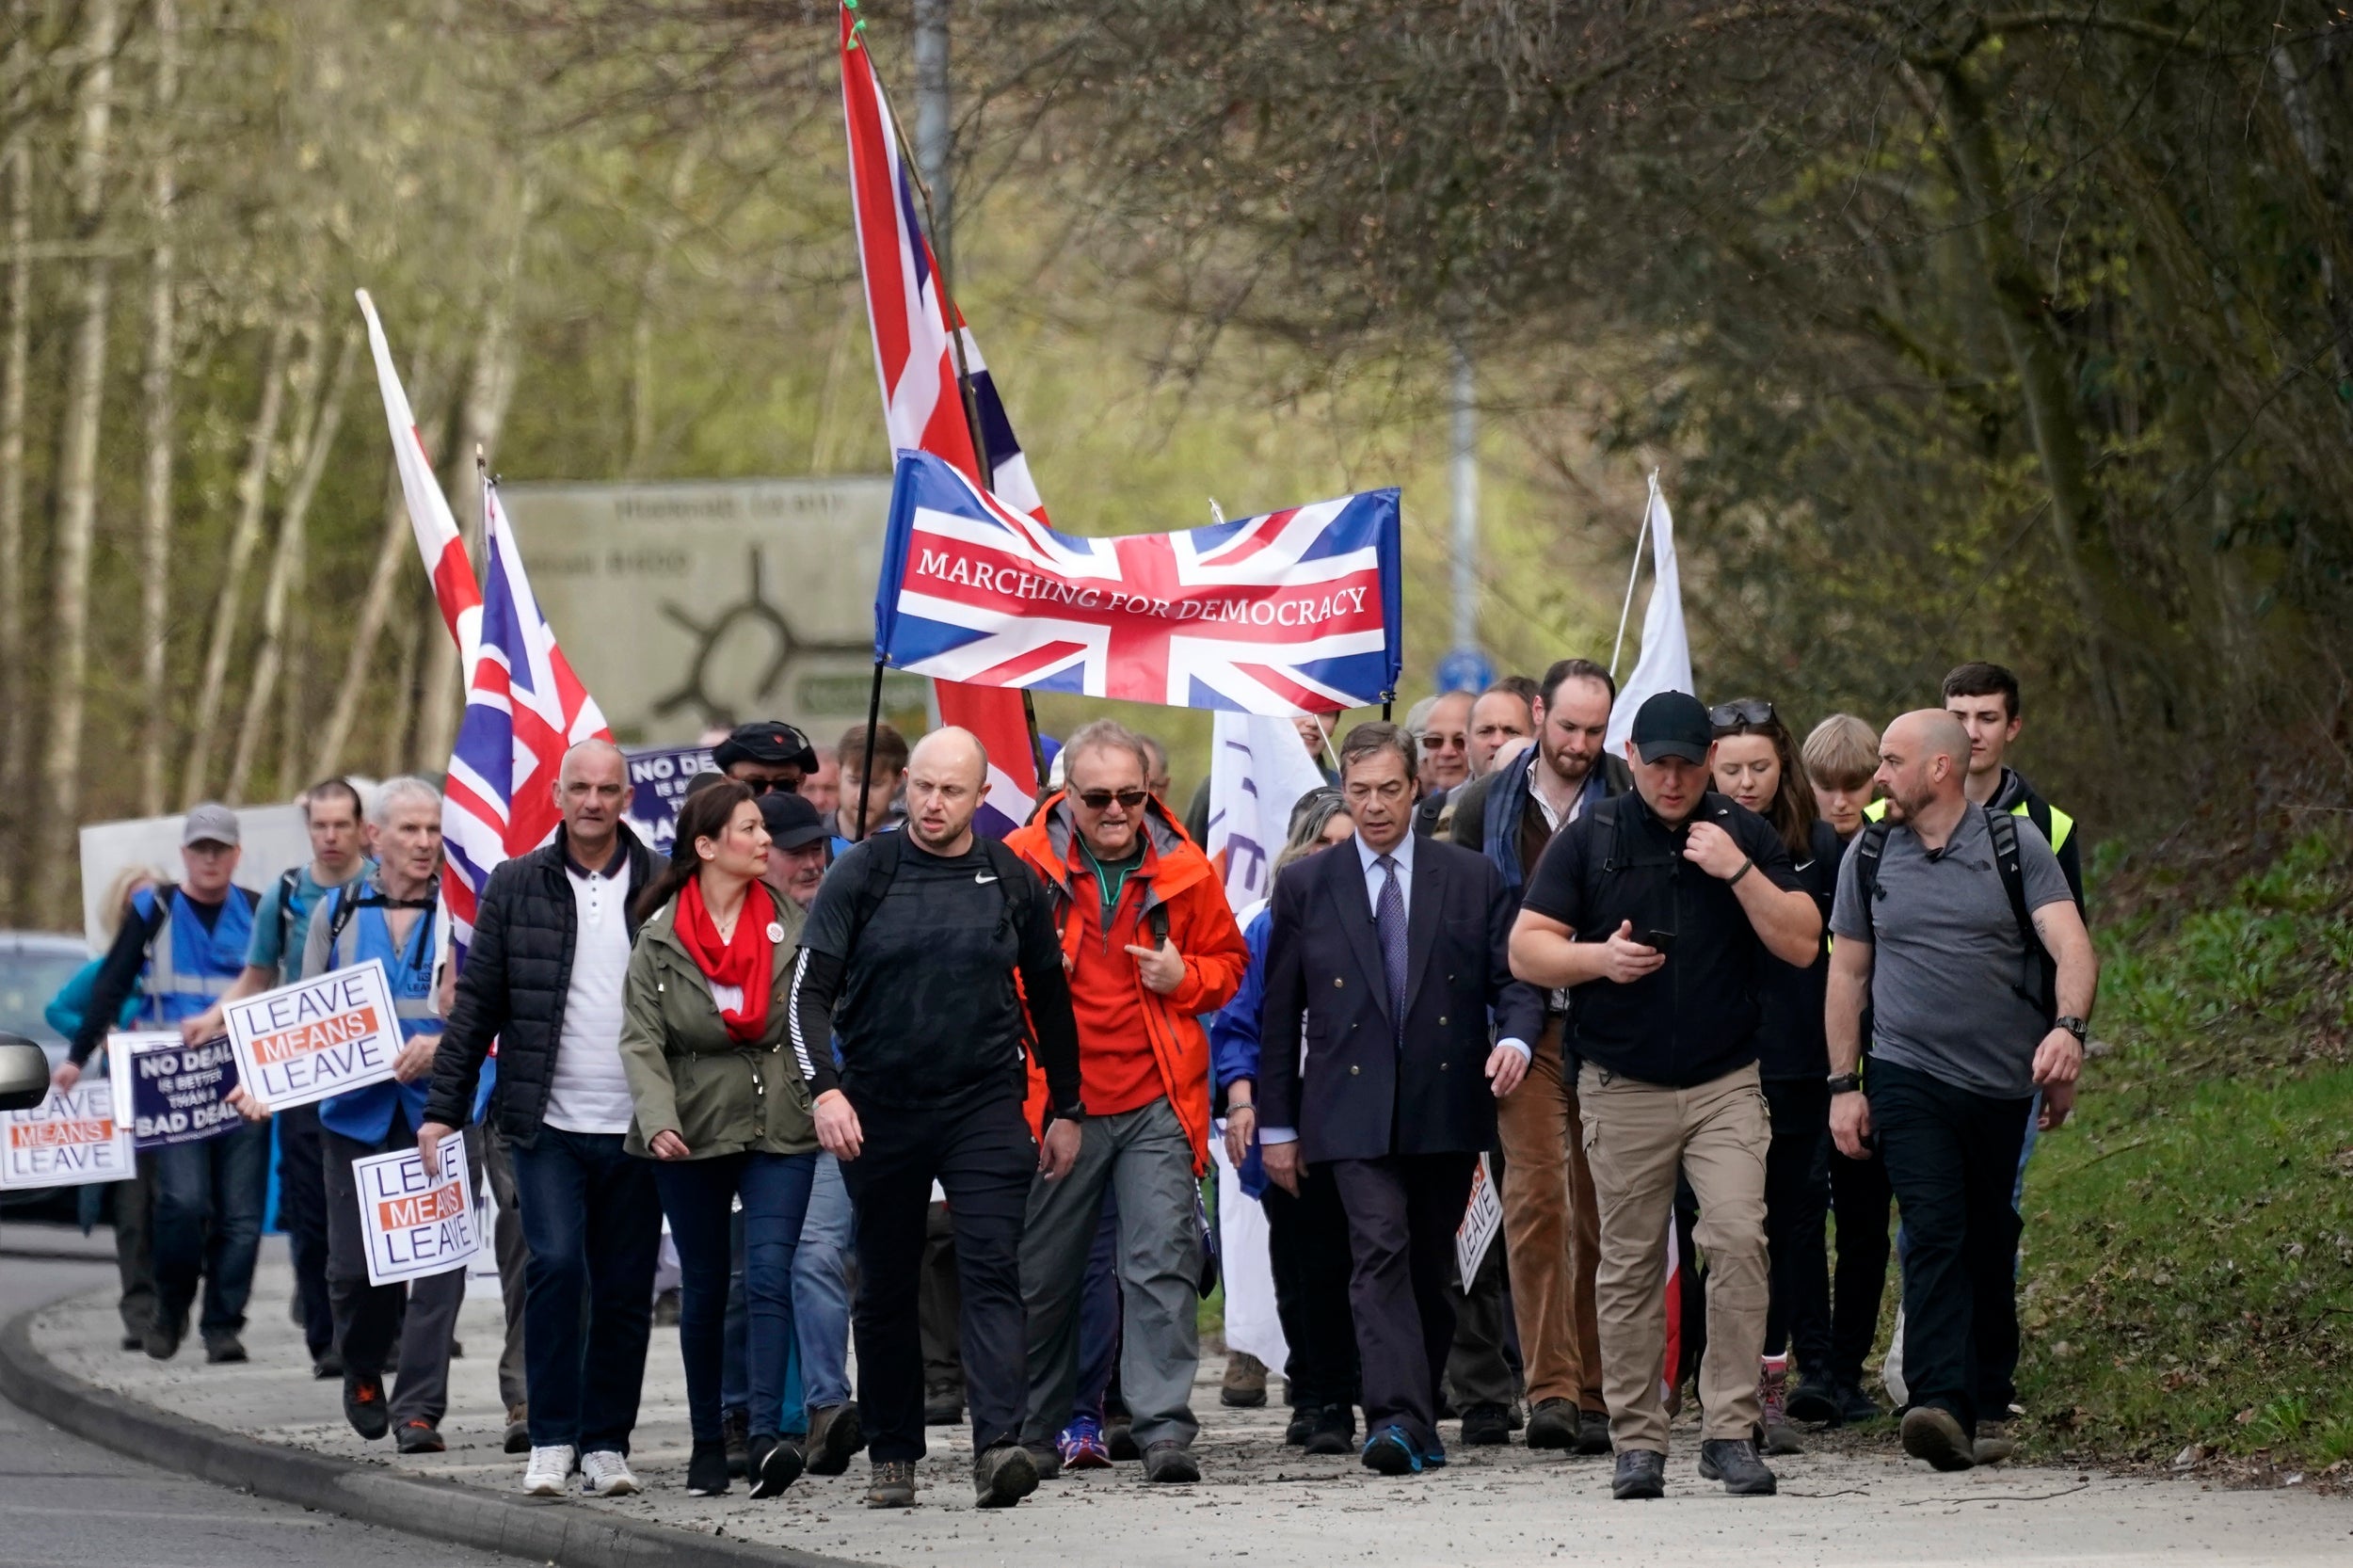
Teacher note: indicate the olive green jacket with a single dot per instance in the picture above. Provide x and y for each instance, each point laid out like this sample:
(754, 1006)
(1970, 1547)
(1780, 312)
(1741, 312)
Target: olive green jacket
(685, 1074)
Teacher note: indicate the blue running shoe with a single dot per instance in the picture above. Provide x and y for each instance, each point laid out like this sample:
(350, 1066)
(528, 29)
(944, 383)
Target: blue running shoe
(1390, 1452)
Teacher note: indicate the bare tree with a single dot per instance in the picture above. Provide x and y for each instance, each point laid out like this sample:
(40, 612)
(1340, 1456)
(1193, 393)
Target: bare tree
(156, 387)
(16, 167)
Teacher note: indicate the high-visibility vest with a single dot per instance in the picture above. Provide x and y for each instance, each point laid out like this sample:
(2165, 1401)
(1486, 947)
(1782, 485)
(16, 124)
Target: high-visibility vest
(2055, 830)
(366, 1113)
(189, 968)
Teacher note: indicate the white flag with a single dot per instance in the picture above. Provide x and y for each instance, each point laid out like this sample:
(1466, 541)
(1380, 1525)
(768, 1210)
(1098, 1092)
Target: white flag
(1259, 768)
(455, 588)
(1665, 664)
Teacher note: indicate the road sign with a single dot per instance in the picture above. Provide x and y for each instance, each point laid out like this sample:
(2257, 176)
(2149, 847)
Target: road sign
(1464, 669)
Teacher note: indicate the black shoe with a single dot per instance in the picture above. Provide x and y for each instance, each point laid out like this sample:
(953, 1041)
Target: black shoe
(707, 1469)
(163, 1340)
(665, 1309)
(327, 1364)
(518, 1440)
(1486, 1426)
(134, 1341)
(1734, 1461)
(1046, 1459)
(1003, 1476)
(224, 1349)
(1303, 1427)
(420, 1437)
(735, 1433)
(1168, 1461)
(1936, 1435)
(1814, 1399)
(943, 1406)
(1334, 1430)
(1120, 1441)
(773, 1463)
(1642, 1474)
(1855, 1407)
(893, 1484)
(364, 1406)
(1551, 1425)
(1593, 1433)
(835, 1437)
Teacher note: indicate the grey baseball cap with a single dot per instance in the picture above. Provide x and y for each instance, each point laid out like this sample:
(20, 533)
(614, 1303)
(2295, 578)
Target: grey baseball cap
(211, 824)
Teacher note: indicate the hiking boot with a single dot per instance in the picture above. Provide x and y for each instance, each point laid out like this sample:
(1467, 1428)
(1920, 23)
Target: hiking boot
(1593, 1433)
(1641, 1475)
(893, 1484)
(163, 1340)
(420, 1437)
(1334, 1430)
(224, 1349)
(545, 1475)
(1855, 1407)
(1003, 1476)
(707, 1468)
(1936, 1435)
(1814, 1399)
(327, 1364)
(1303, 1425)
(1734, 1461)
(1046, 1459)
(1994, 1442)
(1390, 1452)
(1551, 1425)
(735, 1434)
(134, 1341)
(518, 1429)
(943, 1406)
(1772, 1394)
(1119, 1440)
(1244, 1387)
(835, 1437)
(1486, 1426)
(364, 1406)
(603, 1473)
(773, 1463)
(1169, 1462)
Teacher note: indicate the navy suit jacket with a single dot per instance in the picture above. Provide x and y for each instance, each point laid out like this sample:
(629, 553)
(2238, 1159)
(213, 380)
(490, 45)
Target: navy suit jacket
(1363, 1093)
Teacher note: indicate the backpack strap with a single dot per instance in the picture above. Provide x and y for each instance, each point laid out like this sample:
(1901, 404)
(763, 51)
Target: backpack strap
(1867, 850)
(340, 915)
(883, 852)
(2038, 974)
(289, 881)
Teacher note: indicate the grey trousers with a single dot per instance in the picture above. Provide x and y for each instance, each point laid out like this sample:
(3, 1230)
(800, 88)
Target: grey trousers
(1145, 1159)
(507, 1243)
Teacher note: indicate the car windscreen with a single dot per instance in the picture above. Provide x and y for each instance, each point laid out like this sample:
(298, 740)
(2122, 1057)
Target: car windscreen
(28, 981)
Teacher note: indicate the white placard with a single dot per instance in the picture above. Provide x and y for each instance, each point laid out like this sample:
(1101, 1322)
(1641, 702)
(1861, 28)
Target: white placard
(316, 1037)
(1481, 1218)
(416, 1224)
(70, 1140)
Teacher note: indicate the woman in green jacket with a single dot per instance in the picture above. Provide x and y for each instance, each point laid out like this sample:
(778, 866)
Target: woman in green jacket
(723, 1107)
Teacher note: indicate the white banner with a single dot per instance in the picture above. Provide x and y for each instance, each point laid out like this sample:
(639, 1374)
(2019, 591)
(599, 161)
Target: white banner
(1483, 1217)
(68, 1139)
(1664, 663)
(1251, 1325)
(416, 1224)
(1259, 768)
(317, 1038)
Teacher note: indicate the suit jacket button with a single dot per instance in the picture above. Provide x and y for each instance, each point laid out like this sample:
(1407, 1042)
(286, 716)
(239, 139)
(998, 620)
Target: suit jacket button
(1354, 1071)
(1335, 982)
(1444, 1066)
(1442, 1019)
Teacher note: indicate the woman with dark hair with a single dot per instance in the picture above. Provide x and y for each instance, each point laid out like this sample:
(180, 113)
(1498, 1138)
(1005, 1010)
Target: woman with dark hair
(1756, 764)
(723, 1107)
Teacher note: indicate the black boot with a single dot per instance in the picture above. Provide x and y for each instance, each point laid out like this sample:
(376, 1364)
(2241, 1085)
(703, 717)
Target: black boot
(1642, 1474)
(707, 1469)
(1734, 1461)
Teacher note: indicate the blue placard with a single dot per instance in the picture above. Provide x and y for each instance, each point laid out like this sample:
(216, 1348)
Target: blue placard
(1464, 669)
(658, 777)
(178, 1092)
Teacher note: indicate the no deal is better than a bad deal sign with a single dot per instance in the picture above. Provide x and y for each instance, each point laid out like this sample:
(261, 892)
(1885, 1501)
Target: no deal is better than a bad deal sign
(416, 1224)
(316, 1037)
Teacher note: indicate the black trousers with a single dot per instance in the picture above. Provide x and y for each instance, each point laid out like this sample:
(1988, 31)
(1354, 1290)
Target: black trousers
(1952, 1158)
(984, 1156)
(302, 1215)
(1483, 1365)
(938, 1307)
(1863, 1203)
(1797, 1209)
(1307, 1247)
(1402, 1212)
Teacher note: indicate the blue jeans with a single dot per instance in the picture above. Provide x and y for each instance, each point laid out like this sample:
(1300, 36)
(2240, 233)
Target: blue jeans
(592, 1225)
(697, 1196)
(820, 1289)
(735, 1384)
(208, 1220)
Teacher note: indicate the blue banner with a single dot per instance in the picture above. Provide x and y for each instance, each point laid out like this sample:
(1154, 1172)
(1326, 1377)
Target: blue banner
(658, 777)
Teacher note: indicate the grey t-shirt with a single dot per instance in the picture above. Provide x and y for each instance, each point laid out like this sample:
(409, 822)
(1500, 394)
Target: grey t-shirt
(1946, 954)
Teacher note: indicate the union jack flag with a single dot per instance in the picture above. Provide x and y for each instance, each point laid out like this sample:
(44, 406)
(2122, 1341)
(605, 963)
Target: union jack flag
(1294, 612)
(923, 408)
(524, 709)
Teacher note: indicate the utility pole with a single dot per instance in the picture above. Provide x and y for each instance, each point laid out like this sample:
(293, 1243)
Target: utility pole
(935, 130)
(1465, 490)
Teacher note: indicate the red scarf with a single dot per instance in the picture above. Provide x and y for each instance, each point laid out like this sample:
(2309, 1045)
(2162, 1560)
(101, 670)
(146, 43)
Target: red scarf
(743, 963)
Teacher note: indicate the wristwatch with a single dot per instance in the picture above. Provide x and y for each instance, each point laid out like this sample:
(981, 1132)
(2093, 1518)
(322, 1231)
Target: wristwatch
(2073, 1026)
(1075, 1111)
(1845, 1083)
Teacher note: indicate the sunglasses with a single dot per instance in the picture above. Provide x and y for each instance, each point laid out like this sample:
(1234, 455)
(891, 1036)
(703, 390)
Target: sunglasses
(1100, 800)
(782, 786)
(1747, 711)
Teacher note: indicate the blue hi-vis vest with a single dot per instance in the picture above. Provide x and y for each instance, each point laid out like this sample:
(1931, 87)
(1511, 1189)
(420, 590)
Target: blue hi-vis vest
(365, 1115)
(188, 967)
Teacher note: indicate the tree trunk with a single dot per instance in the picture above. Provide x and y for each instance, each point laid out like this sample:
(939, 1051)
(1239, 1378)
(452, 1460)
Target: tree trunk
(398, 544)
(78, 483)
(16, 167)
(409, 641)
(252, 490)
(286, 567)
(155, 522)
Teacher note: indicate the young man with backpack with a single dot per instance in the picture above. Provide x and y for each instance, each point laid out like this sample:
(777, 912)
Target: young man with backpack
(1955, 926)
(931, 958)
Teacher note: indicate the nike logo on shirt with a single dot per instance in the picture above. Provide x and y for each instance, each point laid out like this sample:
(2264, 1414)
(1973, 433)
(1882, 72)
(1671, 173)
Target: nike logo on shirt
(983, 876)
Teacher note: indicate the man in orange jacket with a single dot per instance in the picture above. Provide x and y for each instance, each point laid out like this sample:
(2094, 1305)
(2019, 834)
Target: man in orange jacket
(1149, 944)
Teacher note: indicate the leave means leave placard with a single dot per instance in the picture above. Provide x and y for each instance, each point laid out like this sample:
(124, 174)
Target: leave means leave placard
(416, 1224)
(71, 1139)
(316, 1037)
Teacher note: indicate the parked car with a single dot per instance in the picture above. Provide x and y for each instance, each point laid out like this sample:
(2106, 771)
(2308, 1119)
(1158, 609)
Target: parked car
(34, 966)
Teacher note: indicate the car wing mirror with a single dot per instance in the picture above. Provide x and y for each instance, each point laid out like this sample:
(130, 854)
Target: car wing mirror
(23, 1073)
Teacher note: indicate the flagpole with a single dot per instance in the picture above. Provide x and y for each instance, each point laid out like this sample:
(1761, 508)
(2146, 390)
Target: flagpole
(866, 769)
(954, 320)
(1641, 535)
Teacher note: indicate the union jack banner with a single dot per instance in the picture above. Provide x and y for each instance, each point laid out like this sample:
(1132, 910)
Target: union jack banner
(916, 355)
(1294, 612)
(429, 517)
(524, 709)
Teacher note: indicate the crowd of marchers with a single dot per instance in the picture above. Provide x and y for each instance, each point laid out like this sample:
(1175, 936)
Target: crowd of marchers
(841, 1071)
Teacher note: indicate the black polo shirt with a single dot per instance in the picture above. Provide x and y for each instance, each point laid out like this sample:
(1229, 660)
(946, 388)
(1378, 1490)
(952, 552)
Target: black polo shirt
(1694, 1017)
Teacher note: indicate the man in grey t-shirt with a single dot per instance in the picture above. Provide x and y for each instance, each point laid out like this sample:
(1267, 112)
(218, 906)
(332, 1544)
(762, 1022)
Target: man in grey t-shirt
(1961, 1041)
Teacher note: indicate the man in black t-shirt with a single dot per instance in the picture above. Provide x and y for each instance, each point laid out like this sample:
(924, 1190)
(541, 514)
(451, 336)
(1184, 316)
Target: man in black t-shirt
(919, 956)
(1656, 909)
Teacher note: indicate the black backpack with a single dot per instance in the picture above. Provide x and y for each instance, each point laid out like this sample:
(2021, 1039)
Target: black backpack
(2037, 981)
(1014, 878)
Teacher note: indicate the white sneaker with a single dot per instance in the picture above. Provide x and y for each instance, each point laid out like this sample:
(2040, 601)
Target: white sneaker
(549, 1467)
(603, 1473)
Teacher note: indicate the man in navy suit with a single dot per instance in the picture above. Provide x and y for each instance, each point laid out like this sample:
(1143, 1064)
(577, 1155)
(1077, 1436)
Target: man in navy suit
(1386, 954)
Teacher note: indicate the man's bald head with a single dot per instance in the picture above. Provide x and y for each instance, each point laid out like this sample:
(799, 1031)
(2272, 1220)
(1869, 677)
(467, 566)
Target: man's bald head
(594, 759)
(592, 791)
(946, 778)
(951, 748)
(1924, 759)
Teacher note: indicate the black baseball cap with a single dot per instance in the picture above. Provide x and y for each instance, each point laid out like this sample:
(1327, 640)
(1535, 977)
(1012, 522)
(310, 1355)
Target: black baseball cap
(770, 743)
(792, 821)
(1673, 723)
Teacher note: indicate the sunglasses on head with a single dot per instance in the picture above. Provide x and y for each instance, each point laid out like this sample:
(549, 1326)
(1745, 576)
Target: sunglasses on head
(1100, 800)
(1747, 711)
